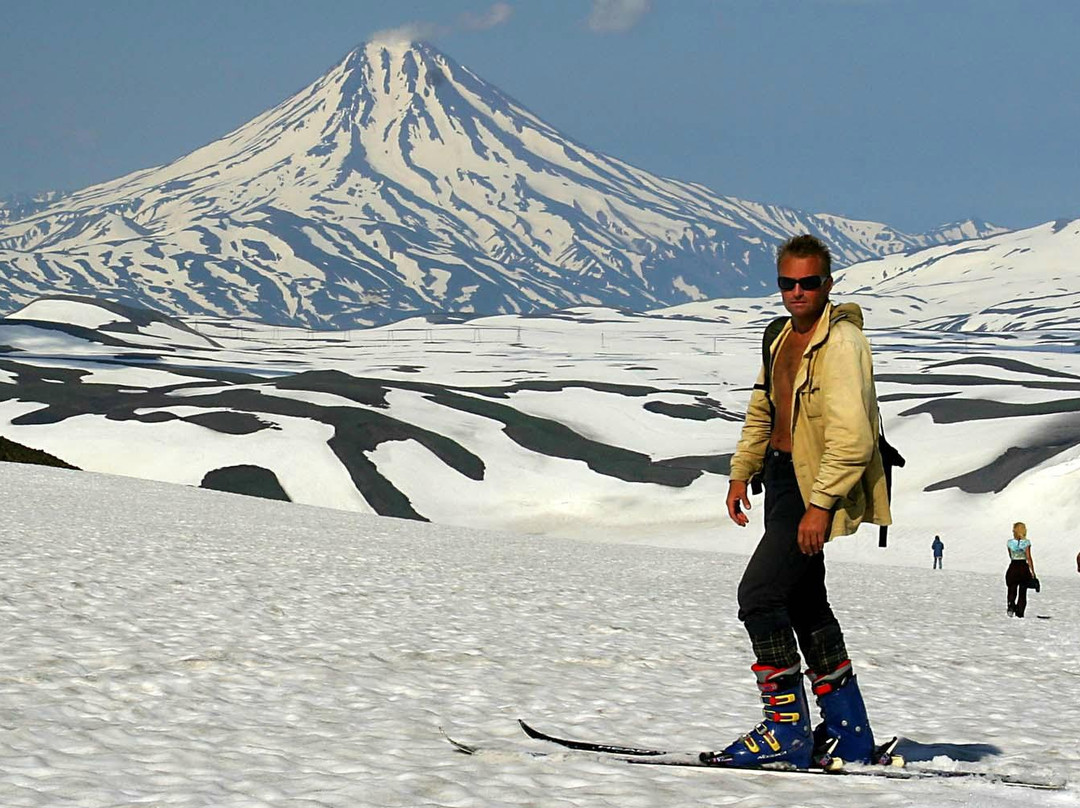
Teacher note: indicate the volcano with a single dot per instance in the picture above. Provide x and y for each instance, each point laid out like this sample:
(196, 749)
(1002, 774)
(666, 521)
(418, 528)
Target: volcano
(401, 183)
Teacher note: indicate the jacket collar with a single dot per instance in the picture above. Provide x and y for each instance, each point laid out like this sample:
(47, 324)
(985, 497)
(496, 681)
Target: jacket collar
(834, 313)
(821, 329)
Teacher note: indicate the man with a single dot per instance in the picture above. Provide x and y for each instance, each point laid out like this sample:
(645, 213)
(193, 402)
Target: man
(938, 546)
(811, 430)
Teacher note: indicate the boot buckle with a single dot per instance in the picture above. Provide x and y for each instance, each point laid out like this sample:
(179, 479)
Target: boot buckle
(770, 739)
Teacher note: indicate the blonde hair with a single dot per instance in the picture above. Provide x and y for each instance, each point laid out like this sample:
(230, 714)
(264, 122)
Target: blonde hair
(1019, 530)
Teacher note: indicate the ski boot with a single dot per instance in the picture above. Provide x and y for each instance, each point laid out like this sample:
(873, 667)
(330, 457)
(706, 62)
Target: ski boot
(845, 731)
(784, 738)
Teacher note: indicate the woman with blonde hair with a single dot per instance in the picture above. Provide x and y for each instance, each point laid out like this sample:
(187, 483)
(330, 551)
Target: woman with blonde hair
(1021, 570)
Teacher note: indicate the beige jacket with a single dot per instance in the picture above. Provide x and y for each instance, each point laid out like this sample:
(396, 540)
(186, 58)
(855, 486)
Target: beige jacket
(834, 430)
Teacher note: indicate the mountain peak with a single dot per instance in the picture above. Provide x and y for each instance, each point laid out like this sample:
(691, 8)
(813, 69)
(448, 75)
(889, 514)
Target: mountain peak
(401, 183)
(388, 76)
(396, 46)
(391, 56)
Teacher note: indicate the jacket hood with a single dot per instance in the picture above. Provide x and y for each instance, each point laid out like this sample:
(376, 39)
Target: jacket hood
(847, 311)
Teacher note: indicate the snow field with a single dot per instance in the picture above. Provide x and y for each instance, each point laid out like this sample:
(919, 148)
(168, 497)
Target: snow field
(171, 646)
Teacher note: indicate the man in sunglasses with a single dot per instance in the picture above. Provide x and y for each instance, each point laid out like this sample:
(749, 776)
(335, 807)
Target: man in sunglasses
(811, 432)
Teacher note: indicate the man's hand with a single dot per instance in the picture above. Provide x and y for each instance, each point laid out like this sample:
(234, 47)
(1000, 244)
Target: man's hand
(813, 529)
(736, 501)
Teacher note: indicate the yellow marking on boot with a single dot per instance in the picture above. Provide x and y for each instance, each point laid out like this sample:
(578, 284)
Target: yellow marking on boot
(753, 747)
(770, 739)
(785, 698)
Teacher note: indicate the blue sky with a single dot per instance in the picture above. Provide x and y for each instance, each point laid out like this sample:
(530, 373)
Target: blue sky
(911, 112)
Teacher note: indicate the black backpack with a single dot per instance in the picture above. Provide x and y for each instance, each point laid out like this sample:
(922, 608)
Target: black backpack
(889, 455)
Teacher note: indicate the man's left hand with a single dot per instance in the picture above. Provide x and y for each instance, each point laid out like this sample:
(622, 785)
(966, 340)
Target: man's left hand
(814, 529)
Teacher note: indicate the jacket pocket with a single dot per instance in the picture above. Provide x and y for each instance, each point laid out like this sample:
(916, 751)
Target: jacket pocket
(854, 502)
(811, 401)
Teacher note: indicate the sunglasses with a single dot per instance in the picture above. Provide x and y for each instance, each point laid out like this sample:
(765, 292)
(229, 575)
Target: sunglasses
(808, 283)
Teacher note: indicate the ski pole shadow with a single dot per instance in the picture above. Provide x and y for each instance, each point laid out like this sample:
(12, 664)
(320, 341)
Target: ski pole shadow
(913, 751)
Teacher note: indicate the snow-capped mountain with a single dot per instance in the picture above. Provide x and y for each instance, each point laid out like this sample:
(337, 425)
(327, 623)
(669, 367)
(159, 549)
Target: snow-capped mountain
(401, 183)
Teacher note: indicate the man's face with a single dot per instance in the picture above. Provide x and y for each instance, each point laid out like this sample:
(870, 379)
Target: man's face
(802, 304)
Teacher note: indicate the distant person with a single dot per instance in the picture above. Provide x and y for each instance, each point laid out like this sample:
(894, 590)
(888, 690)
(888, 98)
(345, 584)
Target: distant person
(811, 431)
(1021, 570)
(938, 546)
(1078, 562)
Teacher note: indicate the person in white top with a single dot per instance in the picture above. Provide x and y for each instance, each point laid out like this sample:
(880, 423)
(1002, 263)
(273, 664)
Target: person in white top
(1021, 570)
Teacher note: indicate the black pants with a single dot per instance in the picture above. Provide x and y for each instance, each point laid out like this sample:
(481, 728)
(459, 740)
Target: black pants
(1016, 578)
(783, 590)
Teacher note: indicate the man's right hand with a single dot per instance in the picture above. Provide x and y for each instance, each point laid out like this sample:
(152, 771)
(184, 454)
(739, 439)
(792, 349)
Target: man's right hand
(737, 500)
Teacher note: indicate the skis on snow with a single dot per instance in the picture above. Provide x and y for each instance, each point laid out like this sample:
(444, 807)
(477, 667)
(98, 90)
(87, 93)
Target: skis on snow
(657, 757)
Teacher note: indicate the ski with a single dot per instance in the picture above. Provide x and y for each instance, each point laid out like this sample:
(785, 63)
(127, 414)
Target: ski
(658, 757)
(588, 746)
(883, 753)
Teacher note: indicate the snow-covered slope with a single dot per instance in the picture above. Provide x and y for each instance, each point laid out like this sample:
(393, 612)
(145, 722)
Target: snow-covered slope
(400, 182)
(1024, 280)
(19, 206)
(1027, 280)
(589, 422)
(170, 646)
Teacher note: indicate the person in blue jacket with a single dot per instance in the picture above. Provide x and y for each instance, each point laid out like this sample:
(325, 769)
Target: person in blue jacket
(938, 547)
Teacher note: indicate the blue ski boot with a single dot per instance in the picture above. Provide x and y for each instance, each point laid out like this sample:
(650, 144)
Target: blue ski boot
(845, 731)
(784, 738)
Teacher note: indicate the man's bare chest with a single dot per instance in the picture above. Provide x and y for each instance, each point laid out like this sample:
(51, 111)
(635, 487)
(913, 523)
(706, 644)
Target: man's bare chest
(786, 363)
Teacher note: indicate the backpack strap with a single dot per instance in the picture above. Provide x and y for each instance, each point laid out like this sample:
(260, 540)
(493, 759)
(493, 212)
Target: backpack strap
(772, 332)
(889, 457)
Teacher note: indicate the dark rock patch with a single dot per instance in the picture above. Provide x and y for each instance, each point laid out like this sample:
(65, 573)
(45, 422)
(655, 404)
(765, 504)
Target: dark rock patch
(706, 409)
(558, 385)
(1053, 437)
(956, 411)
(254, 481)
(996, 476)
(915, 396)
(371, 392)
(230, 423)
(1007, 364)
(554, 439)
(972, 381)
(156, 417)
(713, 464)
(12, 452)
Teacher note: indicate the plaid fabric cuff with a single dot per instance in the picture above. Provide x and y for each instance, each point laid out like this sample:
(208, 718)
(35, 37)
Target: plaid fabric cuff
(827, 649)
(777, 649)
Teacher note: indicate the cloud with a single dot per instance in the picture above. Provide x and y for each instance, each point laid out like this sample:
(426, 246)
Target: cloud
(616, 16)
(494, 16)
(409, 32)
(497, 15)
